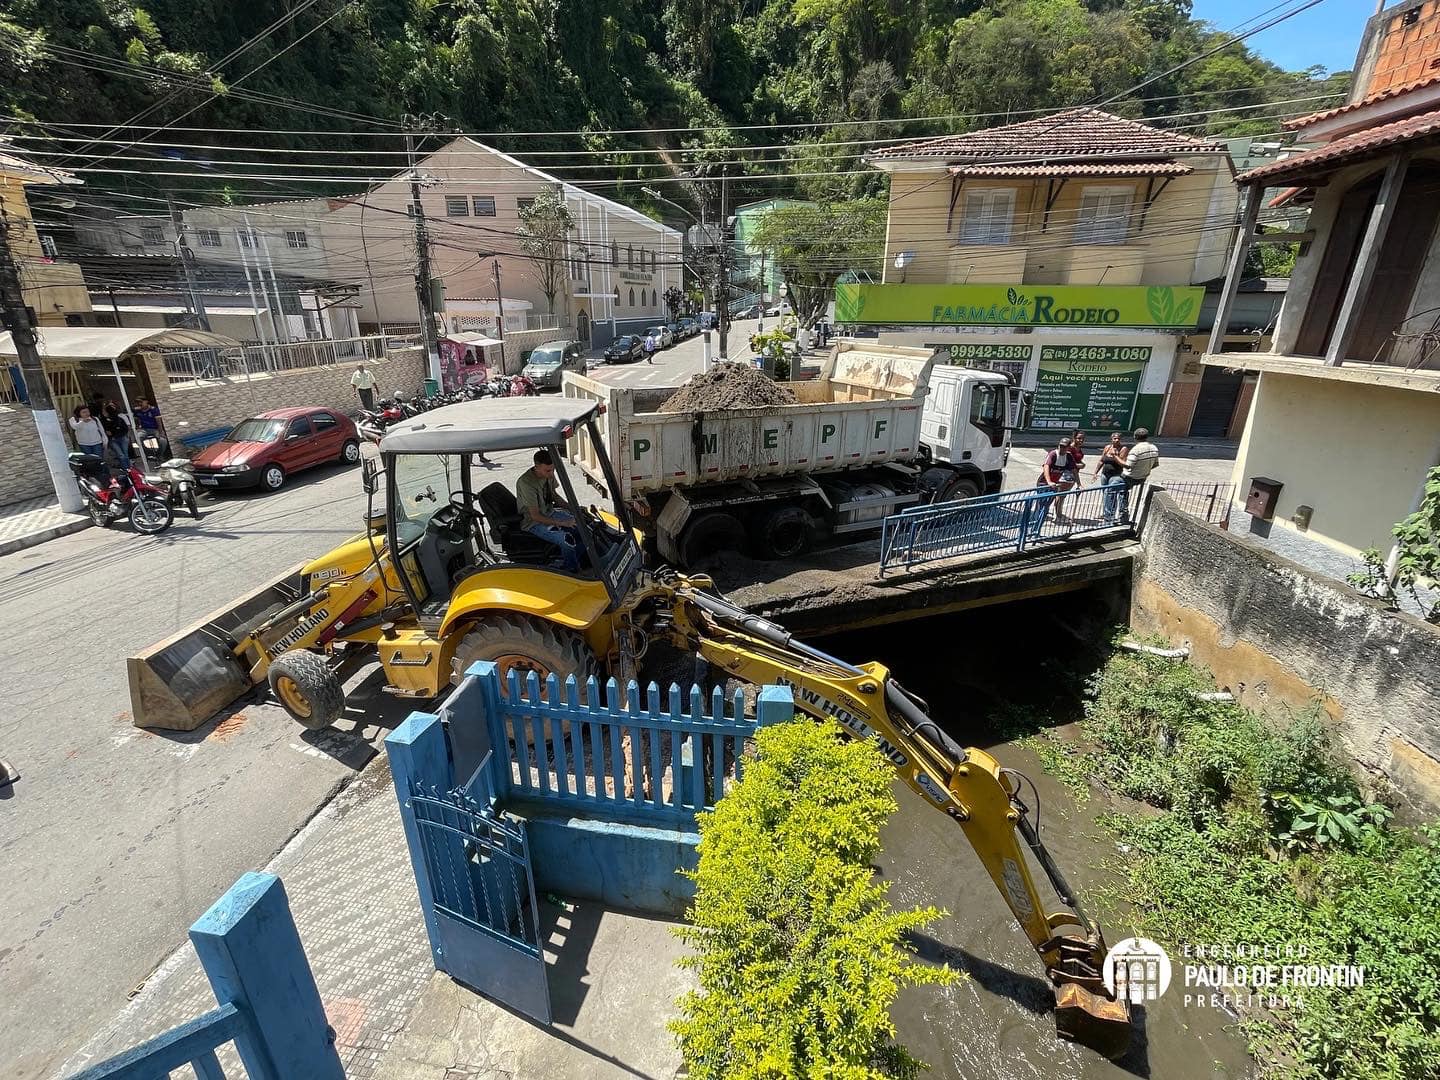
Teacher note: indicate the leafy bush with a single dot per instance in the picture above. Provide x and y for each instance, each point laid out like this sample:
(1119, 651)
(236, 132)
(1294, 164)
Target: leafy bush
(797, 950)
(1267, 840)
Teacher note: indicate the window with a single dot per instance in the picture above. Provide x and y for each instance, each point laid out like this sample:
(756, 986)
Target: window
(152, 234)
(208, 237)
(1104, 215)
(457, 206)
(249, 238)
(614, 253)
(483, 205)
(630, 257)
(632, 297)
(652, 262)
(296, 238)
(988, 212)
(524, 202)
(47, 247)
(323, 421)
(299, 426)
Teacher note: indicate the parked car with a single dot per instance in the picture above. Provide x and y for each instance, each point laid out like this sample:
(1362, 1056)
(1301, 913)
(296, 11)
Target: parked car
(775, 310)
(265, 450)
(689, 327)
(625, 349)
(549, 362)
(662, 335)
(676, 331)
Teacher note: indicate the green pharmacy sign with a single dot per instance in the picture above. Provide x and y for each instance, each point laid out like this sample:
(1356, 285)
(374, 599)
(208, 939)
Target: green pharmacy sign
(1118, 306)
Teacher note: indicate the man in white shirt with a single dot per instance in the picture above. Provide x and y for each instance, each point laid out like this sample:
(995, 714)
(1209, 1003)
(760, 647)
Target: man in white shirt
(364, 382)
(1140, 462)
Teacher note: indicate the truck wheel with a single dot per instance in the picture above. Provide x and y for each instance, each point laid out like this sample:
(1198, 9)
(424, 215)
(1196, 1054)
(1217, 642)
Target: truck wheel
(521, 644)
(783, 532)
(947, 486)
(308, 688)
(711, 534)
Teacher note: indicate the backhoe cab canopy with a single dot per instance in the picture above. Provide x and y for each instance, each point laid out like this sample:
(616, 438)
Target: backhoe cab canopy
(490, 425)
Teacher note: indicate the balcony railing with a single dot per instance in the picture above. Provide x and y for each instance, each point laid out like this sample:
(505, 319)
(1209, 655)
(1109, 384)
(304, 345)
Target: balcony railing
(243, 361)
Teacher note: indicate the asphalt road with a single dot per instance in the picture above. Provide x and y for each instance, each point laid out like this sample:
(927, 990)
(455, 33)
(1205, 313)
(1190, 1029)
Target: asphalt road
(115, 839)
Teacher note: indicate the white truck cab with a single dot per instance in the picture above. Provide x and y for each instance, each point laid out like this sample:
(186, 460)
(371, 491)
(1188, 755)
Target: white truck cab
(965, 427)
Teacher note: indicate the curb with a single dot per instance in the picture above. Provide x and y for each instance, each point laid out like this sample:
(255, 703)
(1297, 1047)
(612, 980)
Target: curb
(29, 540)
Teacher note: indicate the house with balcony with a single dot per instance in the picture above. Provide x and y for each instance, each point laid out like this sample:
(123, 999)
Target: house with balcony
(1345, 421)
(1068, 250)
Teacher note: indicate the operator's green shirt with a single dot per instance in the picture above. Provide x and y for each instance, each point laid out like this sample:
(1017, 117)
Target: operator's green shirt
(533, 493)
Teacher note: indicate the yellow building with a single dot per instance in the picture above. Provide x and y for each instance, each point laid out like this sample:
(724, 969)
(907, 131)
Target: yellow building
(1346, 415)
(53, 287)
(1067, 250)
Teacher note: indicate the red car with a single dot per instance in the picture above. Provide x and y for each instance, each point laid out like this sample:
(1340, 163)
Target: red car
(264, 450)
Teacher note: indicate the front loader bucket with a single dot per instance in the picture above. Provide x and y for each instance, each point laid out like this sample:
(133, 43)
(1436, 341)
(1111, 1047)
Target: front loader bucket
(181, 682)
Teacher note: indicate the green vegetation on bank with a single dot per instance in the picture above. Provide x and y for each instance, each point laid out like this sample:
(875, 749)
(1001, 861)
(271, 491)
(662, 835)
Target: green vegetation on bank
(1264, 838)
(797, 950)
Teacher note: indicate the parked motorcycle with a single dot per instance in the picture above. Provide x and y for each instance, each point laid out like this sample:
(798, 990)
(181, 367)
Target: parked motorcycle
(130, 494)
(177, 479)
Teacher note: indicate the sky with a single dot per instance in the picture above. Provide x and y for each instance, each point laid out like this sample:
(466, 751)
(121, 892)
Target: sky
(1327, 34)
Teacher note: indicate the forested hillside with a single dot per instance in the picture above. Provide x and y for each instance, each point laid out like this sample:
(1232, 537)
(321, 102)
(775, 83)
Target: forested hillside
(610, 67)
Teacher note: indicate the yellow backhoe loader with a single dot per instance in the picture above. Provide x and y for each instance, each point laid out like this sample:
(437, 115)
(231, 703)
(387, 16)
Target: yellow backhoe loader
(445, 575)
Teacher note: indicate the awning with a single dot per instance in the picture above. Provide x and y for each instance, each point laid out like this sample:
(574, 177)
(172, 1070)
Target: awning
(1021, 172)
(107, 343)
(105, 307)
(479, 340)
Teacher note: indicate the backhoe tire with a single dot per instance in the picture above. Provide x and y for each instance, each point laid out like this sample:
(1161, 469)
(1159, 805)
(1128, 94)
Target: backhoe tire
(711, 535)
(524, 644)
(783, 532)
(307, 688)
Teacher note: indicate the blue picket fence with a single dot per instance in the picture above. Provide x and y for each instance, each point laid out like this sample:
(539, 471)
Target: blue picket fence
(1010, 521)
(599, 748)
(268, 1004)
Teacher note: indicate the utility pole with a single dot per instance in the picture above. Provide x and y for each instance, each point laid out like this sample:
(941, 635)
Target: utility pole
(500, 321)
(20, 321)
(722, 284)
(187, 263)
(762, 292)
(422, 266)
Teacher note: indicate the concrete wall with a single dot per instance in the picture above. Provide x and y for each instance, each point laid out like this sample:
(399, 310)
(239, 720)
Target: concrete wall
(202, 406)
(1278, 635)
(23, 474)
(1171, 249)
(1357, 453)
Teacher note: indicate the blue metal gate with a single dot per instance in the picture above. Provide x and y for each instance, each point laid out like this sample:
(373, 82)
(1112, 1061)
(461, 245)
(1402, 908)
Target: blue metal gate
(476, 885)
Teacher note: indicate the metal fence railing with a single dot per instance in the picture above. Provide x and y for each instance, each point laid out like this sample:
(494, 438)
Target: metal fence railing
(1010, 521)
(1209, 501)
(189, 365)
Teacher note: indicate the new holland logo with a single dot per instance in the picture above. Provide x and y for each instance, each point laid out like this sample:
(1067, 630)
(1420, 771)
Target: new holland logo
(303, 627)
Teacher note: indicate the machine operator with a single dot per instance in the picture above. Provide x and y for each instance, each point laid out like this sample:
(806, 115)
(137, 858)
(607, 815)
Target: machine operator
(544, 513)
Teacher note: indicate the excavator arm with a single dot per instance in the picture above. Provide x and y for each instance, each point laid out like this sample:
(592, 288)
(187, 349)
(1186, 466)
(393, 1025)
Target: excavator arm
(967, 784)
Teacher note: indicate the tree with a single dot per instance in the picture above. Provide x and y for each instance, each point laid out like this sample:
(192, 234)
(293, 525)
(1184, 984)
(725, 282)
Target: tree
(674, 297)
(813, 244)
(545, 222)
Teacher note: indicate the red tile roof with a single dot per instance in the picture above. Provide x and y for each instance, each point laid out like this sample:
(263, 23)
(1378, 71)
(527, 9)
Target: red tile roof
(1074, 133)
(1347, 148)
(1018, 172)
(1340, 110)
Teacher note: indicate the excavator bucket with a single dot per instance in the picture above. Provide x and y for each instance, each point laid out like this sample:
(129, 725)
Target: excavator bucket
(181, 682)
(1091, 1020)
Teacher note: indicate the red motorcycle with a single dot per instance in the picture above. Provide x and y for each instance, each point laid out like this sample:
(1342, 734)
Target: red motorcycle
(128, 495)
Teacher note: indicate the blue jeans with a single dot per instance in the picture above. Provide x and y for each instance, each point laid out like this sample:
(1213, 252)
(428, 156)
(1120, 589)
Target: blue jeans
(121, 449)
(98, 449)
(1116, 492)
(562, 536)
(1039, 508)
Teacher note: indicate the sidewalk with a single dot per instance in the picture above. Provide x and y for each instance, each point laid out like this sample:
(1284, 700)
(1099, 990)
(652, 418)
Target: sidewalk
(348, 878)
(33, 521)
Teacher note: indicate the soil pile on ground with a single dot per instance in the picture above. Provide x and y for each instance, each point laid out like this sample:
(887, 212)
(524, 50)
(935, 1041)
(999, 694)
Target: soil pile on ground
(728, 386)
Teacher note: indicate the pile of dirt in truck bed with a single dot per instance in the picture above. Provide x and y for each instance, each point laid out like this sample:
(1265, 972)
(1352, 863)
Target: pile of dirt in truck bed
(728, 386)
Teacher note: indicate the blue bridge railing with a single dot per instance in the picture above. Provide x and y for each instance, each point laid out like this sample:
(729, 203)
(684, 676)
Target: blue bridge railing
(1011, 521)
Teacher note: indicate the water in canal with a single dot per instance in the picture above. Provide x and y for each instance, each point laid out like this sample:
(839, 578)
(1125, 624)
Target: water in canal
(997, 1024)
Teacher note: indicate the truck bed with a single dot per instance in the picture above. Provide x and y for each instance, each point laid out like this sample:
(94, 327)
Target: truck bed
(864, 409)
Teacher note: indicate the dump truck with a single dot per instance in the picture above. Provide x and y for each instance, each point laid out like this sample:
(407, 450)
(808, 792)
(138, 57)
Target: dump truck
(444, 574)
(882, 428)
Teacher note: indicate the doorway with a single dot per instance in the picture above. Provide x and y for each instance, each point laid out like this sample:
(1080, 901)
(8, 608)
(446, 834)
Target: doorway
(582, 326)
(1215, 403)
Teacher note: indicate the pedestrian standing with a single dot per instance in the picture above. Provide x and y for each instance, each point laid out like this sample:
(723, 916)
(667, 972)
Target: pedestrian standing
(89, 432)
(1051, 481)
(1143, 459)
(1071, 476)
(363, 380)
(1111, 466)
(117, 433)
